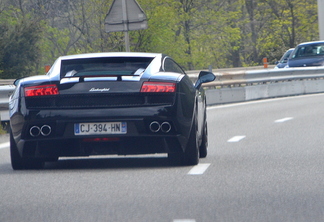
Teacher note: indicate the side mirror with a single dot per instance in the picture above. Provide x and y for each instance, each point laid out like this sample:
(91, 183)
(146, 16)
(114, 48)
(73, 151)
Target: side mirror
(204, 77)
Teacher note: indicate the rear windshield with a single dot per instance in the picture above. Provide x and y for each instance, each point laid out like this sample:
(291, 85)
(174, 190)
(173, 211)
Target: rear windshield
(112, 66)
(309, 50)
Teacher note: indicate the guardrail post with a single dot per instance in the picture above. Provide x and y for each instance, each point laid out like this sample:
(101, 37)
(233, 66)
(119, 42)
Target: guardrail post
(47, 68)
(265, 63)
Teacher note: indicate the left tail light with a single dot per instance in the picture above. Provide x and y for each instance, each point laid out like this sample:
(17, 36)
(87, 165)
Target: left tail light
(163, 87)
(42, 90)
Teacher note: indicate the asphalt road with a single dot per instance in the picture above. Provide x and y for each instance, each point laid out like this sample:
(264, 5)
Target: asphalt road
(265, 163)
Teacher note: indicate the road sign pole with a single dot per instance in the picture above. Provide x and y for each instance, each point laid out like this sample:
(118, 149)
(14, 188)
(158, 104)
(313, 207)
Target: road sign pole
(320, 5)
(127, 41)
(125, 16)
(125, 20)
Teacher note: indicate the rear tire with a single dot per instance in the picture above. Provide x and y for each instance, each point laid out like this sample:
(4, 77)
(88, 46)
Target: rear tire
(191, 155)
(16, 159)
(20, 163)
(203, 149)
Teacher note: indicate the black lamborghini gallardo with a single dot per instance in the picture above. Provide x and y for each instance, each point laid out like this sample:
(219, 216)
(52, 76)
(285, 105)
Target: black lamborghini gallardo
(108, 104)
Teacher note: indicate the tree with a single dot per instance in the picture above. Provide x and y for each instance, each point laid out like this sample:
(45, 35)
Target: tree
(19, 40)
(221, 33)
(163, 33)
(289, 22)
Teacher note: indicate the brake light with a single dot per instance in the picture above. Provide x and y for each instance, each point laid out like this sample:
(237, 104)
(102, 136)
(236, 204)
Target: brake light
(164, 87)
(42, 90)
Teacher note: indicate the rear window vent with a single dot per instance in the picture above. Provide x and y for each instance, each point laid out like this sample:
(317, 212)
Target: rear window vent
(98, 101)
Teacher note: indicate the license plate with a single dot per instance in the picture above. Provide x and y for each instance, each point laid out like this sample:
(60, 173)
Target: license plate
(100, 128)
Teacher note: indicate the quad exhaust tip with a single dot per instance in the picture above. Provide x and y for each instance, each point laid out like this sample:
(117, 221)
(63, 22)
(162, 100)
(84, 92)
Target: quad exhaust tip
(155, 126)
(44, 130)
(164, 127)
(34, 131)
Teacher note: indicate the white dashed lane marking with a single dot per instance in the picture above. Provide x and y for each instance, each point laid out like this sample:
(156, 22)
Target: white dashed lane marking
(4, 145)
(199, 169)
(283, 120)
(235, 139)
(184, 220)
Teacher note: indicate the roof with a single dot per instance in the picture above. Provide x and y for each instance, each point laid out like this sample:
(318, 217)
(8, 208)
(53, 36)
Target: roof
(314, 42)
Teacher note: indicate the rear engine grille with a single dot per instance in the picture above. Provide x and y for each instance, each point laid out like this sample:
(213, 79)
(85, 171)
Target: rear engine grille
(99, 101)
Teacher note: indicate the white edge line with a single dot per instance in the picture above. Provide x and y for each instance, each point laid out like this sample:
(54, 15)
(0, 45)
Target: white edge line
(184, 220)
(283, 120)
(235, 139)
(199, 169)
(219, 106)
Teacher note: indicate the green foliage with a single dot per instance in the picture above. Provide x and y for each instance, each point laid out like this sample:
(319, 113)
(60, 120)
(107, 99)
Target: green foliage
(162, 34)
(19, 41)
(288, 24)
(195, 33)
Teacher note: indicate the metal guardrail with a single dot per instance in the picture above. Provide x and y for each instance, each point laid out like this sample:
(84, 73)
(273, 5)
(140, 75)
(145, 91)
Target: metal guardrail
(266, 83)
(261, 76)
(5, 92)
(234, 85)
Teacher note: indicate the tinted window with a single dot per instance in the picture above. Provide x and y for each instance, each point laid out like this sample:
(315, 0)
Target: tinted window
(104, 66)
(309, 50)
(285, 57)
(172, 66)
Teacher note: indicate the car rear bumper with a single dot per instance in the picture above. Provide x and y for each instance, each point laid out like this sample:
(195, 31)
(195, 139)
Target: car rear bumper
(60, 138)
(127, 145)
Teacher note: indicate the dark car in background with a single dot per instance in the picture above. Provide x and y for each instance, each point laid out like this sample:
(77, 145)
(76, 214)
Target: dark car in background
(109, 104)
(307, 54)
(284, 59)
